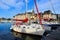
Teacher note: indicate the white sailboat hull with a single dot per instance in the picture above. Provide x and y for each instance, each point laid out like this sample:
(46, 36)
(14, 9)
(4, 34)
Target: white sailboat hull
(27, 30)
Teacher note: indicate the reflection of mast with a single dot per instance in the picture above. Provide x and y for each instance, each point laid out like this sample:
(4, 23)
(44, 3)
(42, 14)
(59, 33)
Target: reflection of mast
(38, 12)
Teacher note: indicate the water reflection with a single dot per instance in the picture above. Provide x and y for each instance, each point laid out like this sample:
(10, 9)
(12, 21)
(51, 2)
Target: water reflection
(6, 34)
(25, 37)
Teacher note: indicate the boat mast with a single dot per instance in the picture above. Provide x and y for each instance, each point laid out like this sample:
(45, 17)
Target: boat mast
(52, 6)
(26, 8)
(40, 21)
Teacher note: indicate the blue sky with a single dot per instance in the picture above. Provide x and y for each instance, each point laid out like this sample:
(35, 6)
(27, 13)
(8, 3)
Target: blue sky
(9, 8)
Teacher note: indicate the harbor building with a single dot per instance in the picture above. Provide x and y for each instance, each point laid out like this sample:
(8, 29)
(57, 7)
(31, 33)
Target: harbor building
(46, 15)
(29, 15)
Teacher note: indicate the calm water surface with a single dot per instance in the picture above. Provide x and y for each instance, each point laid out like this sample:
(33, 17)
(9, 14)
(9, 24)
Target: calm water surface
(6, 34)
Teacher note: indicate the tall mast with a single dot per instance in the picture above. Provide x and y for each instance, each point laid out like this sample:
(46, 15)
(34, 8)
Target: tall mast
(26, 6)
(38, 12)
(26, 10)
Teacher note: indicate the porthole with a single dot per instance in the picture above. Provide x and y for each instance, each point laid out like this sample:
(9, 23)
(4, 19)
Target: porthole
(24, 27)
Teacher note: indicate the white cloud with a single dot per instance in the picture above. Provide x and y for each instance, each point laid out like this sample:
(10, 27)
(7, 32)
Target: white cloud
(55, 1)
(26, 0)
(4, 6)
(46, 5)
(29, 10)
(9, 2)
(19, 5)
(42, 4)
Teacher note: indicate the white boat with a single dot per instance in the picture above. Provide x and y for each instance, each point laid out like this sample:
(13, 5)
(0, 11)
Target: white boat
(35, 29)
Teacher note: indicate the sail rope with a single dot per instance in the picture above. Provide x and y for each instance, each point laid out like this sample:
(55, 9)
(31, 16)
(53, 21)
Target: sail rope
(52, 6)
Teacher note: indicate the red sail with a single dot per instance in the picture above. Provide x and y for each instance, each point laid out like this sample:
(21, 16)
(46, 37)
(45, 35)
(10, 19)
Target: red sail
(25, 20)
(18, 21)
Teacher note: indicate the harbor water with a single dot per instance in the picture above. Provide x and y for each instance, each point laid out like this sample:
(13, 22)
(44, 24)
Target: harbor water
(7, 34)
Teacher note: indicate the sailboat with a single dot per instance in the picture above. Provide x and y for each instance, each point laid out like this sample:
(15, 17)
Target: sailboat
(33, 28)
